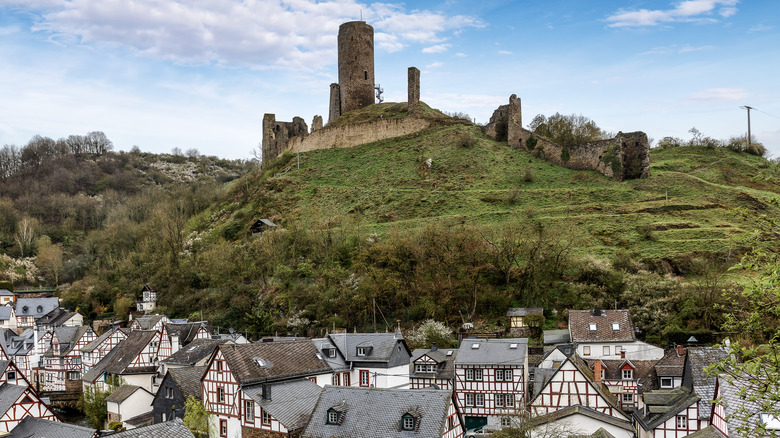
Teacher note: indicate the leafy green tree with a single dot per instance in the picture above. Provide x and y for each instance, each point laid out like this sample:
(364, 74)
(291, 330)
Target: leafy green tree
(429, 332)
(196, 418)
(93, 403)
(566, 130)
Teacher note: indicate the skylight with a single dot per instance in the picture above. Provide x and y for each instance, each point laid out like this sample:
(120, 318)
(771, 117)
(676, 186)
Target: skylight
(513, 346)
(474, 346)
(449, 353)
(592, 326)
(615, 326)
(260, 362)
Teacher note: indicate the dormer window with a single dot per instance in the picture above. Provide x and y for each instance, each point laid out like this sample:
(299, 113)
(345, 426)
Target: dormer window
(25, 309)
(425, 368)
(615, 326)
(362, 351)
(592, 326)
(259, 362)
(408, 422)
(628, 374)
(333, 416)
(331, 352)
(39, 309)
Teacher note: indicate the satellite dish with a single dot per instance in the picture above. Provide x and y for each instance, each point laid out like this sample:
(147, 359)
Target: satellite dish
(231, 330)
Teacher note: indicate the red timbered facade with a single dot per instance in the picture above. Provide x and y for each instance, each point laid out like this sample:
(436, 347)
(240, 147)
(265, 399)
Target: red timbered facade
(21, 401)
(573, 384)
(669, 414)
(63, 360)
(221, 395)
(96, 350)
(432, 367)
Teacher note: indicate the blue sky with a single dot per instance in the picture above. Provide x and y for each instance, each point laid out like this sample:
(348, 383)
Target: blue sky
(200, 74)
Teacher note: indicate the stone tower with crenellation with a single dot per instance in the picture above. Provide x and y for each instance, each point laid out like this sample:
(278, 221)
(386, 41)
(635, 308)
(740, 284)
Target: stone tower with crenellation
(356, 65)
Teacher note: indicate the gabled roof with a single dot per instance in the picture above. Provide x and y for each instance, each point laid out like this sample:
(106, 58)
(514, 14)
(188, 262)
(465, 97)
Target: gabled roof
(9, 394)
(382, 345)
(146, 322)
(581, 410)
(374, 413)
(6, 293)
(194, 352)
(581, 322)
(32, 427)
(523, 311)
(281, 360)
(68, 337)
(97, 371)
(742, 412)
(123, 392)
(507, 351)
(661, 405)
(325, 345)
(6, 313)
(56, 317)
(446, 363)
(187, 379)
(671, 365)
(186, 331)
(291, 402)
(707, 432)
(703, 383)
(100, 339)
(613, 368)
(36, 307)
(128, 350)
(169, 429)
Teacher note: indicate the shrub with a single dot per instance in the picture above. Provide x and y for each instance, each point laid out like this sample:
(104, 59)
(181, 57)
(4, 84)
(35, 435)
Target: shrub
(531, 143)
(513, 197)
(528, 175)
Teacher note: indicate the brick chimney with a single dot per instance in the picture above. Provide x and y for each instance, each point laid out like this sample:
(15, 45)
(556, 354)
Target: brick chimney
(680, 350)
(622, 353)
(597, 372)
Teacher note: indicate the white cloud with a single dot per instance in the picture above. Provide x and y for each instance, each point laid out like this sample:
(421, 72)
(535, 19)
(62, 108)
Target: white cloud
(675, 49)
(720, 94)
(288, 34)
(504, 52)
(461, 55)
(760, 28)
(700, 11)
(434, 65)
(439, 48)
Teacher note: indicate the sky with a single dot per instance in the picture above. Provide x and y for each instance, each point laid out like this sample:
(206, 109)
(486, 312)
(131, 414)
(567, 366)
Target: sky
(200, 74)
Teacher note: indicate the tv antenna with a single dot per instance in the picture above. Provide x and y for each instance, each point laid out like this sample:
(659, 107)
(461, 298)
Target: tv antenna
(379, 91)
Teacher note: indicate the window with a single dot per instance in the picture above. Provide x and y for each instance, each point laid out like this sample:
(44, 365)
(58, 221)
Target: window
(336, 380)
(425, 368)
(666, 382)
(164, 417)
(249, 408)
(222, 427)
(592, 326)
(479, 400)
(74, 375)
(363, 377)
(531, 376)
(346, 379)
(499, 400)
(606, 350)
(265, 417)
(450, 422)
(628, 374)
(407, 422)
(474, 374)
(509, 400)
(219, 365)
(586, 350)
(499, 375)
(11, 375)
(362, 351)
(615, 326)
(682, 422)
(506, 422)
(169, 392)
(221, 395)
(469, 399)
(507, 375)
(628, 398)
(333, 416)
(331, 352)
(313, 379)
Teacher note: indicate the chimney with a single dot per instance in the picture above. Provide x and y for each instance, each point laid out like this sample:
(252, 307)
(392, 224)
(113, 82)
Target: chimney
(622, 353)
(597, 311)
(266, 392)
(597, 372)
(434, 347)
(680, 350)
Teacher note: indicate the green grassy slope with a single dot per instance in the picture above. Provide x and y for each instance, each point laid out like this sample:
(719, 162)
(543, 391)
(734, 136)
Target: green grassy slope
(684, 207)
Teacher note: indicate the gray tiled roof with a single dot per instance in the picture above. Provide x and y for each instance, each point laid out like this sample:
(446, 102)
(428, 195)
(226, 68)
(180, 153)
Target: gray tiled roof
(382, 345)
(446, 364)
(580, 320)
(188, 380)
(186, 331)
(6, 293)
(703, 383)
(32, 427)
(523, 311)
(194, 352)
(97, 371)
(734, 403)
(582, 410)
(148, 321)
(123, 392)
(128, 350)
(556, 336)
(9, 393)
(31, 305)
(671, 365)
(707, 432)
(6, 312)
(370, 413)
(337, 363)
(662, 405)
(291, 402)
(169, 429)
(492, 352)
(282, 360)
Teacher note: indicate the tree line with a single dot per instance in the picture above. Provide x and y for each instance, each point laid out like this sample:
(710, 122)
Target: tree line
(42, 150)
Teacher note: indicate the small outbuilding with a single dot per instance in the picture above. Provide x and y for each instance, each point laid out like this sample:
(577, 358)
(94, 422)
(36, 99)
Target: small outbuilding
(261, 226)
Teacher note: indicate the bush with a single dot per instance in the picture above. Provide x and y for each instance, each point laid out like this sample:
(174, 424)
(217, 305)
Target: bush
(528, 175)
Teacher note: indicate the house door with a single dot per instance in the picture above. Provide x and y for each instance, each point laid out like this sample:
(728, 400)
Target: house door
(472, 423)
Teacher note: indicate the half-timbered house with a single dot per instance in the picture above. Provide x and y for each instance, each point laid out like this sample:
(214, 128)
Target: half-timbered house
(490, 380)
(18, 402)
(624, 378)
(135, 360)
(235, 367)
(149, 322)
(669, 413)
(29, 310)
(703, 382)
(278, 409)
(96, 350)
(606, 334)
(378, 360)
(368, 413)
(431, 367)
(181, 334)
(63, 359)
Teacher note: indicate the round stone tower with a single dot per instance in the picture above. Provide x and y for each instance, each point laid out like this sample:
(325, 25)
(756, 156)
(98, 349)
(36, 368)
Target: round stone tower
(356, 65)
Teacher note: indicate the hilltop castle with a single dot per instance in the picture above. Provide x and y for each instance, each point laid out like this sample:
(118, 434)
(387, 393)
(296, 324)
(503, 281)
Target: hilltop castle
(627, 156)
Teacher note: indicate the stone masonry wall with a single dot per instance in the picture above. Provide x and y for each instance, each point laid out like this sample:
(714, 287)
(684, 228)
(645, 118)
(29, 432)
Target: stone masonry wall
(356, 134)
(251, 432)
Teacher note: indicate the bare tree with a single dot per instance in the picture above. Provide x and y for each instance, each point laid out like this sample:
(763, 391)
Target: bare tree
(25, 234)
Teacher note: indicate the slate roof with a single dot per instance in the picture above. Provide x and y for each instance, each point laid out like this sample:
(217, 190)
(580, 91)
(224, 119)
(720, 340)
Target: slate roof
(337, 363)
(523, 311)
(96, 372)
(188, 381)
(68, 337)
(446, 364)
(282, 360)
(291, 402)
(194, 352)
(127, 351)
(492, 351)
(382, 345)
(6, 293)
(581, 410)
(556, 336)
(123, 392)
(32, 427)
(56, 317)
(370, 413)
(146, 322)
(186, 331)
(704, 384)
(707, 432)
(6, 313)
(100, 339)
(141, 420)
(612, 368)
(671, 365)
(661, 405)
(734, 404)
(169, 429)
(9, 394)
(31, 305)
(580, 320)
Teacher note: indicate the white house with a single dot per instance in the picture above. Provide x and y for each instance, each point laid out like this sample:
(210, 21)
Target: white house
(608, 334)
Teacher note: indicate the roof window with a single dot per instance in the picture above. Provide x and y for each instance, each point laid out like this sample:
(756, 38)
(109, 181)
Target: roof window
(408, 422)
(513, 346)
(259, 362)
(616, 326)
(474, 346)
(592, 326)
(449, 353)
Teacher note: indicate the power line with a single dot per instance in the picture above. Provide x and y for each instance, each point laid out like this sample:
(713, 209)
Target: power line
(764, 112)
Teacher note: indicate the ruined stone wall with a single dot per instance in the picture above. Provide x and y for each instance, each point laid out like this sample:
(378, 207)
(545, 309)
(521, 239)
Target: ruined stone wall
(334, 107)
(356, 134)
(413, 78)
(356, 65)
(276, 135)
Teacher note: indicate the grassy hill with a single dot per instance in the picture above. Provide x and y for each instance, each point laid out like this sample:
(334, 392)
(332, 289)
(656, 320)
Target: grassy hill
(456, 175)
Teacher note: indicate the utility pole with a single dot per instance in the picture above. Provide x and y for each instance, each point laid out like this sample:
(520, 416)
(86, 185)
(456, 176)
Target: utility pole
(748, 108)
